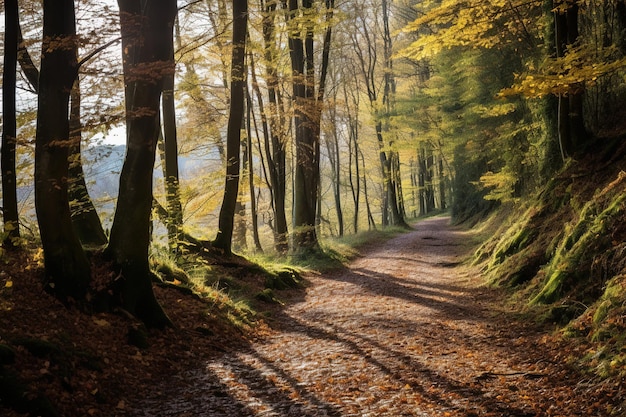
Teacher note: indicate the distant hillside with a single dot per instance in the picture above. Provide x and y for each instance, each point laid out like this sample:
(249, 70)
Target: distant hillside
(103, 164)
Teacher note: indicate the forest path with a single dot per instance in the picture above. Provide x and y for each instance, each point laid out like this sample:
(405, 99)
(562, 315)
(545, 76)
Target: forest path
(406, 331)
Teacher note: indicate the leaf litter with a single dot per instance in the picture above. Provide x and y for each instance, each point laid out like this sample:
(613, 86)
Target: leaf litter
(407, 330)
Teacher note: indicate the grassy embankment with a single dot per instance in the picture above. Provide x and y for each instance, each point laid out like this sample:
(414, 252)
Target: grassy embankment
(562, 254)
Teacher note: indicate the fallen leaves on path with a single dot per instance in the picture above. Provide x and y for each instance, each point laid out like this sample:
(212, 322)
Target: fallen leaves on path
(407, 330)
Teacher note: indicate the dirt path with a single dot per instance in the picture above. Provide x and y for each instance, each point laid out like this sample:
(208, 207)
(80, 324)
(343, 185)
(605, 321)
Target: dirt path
(405, 332)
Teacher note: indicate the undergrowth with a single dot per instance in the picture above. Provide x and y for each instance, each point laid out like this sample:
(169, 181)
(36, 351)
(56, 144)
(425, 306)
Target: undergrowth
(563, 255)
(242, 288)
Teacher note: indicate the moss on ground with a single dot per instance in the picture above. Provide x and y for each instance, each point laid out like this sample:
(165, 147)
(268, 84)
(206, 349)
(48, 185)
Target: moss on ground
(564, 257)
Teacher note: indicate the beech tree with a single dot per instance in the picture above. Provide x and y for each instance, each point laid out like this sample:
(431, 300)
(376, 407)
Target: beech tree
(147, 30)
(66, 265)
(170, 160)
(571, 124)
(308, 104)
(379, 83)
(275, 145)
(10, 213)
(224, 236)
(84, 215)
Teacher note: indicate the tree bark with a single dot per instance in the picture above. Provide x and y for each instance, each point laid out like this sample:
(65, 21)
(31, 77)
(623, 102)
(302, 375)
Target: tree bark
(26, 62)
(172, 178)
(277, 155)
(249, 163)
(371, 224)
(354, 176)
(147, 61)
(306, 176)
(66, 266)
(332, 147)
(307, 119)
(84, 216)
(442, 186)
(224, 237)
(571, 126)
(10, 214)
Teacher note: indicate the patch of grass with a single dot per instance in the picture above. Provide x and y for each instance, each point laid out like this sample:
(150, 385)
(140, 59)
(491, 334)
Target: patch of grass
(348, 247)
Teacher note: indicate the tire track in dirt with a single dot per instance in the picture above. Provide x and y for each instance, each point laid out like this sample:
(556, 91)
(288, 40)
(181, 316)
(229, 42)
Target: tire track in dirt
(406, 331)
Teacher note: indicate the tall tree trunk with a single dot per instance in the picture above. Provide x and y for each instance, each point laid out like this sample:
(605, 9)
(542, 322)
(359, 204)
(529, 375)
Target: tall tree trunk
(421, 179)
(10, 214)
(390, 196)
(371, 224)
(442, 186)
(367, 58)
(578, 130)
(277, 156)
(250, 170)
(414, 189)
(353, 152)
(170, 144)
(306, 175)
(430, 190)
(571, 126)
(84, 215)
(147, 32)
(66, 266)
(355, 186)
(26, 62)
(240, 242)
(224, 236)
(397, 181)
(331, 140)
(391, 163)
(307, 119)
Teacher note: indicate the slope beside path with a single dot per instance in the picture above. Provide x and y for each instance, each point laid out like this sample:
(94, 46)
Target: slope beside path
(407, 330)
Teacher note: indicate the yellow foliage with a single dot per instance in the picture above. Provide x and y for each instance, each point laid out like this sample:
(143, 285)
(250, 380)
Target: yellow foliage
(501, 184)
(468, 23)
(495, 110)
(581, 67)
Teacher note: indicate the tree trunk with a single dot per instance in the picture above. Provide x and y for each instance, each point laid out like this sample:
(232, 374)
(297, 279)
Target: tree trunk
(397, 182)
(353, 153)
(430, 190)
(332, 147)
(307, 161)
(371, 224)
(240, 242)
(170, 144)
(442, 186)
(84, 216)
(26, 63)
(421, 181)
(307, 118)
(414, 189)
(66, 266)
(355, 186)
(253, 204)
(571, 126)
(277, 156)
(578, 131)
(224, 236)
(389, 189)
(391, 165)
(147, 61)
(10, 214)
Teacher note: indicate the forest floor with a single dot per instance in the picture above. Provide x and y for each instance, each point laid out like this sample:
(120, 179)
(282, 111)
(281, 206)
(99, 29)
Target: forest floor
(408, 329)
